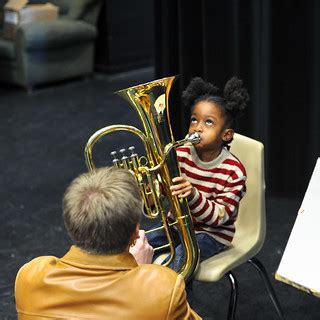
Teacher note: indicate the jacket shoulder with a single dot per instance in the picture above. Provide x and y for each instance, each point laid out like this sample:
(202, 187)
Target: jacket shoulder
(35, 266)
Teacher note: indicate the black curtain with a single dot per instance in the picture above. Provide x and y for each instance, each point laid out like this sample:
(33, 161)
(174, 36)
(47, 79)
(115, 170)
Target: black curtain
(274, 47)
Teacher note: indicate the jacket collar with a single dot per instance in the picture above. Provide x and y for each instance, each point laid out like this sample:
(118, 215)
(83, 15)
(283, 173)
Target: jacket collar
(81, 259)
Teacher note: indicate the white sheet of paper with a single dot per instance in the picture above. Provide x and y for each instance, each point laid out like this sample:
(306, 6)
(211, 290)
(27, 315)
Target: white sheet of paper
(300, 262)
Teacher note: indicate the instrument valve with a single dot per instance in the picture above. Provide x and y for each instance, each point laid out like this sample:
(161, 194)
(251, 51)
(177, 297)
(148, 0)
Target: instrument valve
(115, 160)
(114, 153)
(124, 157)
(134, 160)
(132, 150)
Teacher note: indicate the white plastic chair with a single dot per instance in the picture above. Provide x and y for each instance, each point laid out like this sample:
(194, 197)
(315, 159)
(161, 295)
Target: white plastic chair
(250, 226)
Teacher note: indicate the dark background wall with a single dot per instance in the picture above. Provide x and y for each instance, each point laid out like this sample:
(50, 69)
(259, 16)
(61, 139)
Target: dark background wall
(274, 47)
(126, 36)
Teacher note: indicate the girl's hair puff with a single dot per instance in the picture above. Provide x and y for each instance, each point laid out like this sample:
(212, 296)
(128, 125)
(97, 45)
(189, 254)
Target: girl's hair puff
(236, 97)
(198, 89)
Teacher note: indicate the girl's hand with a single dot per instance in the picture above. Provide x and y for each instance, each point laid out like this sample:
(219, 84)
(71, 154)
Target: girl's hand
(182, 187)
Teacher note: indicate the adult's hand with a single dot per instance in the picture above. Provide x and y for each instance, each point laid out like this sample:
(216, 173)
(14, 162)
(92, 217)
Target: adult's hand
(141, 250)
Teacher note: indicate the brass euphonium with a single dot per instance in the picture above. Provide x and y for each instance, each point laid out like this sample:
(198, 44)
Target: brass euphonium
(156, 170)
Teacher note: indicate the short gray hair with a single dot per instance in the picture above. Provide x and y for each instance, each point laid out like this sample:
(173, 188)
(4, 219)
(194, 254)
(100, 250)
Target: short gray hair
(101, 210)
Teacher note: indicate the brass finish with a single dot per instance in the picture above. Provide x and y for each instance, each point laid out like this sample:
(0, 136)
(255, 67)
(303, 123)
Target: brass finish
(150, 101)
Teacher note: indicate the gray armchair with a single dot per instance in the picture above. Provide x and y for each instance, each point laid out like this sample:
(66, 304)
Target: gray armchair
(48, 51)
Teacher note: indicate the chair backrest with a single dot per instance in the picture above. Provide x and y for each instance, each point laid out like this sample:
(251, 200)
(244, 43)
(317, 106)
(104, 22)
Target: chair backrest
(251, 222)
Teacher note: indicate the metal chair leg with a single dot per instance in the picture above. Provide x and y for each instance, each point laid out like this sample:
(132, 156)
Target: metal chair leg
(262, 271)
(233, 296)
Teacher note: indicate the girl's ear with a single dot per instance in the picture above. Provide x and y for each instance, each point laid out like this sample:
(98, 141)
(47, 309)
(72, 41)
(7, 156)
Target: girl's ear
(227, 135)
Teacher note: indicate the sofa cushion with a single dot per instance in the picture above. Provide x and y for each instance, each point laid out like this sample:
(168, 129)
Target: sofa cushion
(42, 35)
(7, 50)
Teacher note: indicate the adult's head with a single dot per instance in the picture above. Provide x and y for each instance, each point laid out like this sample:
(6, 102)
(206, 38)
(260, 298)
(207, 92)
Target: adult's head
(102, 209)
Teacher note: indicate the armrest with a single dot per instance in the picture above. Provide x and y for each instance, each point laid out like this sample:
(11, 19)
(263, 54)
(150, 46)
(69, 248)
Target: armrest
(42, 35)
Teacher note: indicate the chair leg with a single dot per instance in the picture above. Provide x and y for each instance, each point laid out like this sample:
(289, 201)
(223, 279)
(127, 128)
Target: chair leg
(233, 296)
(262, 271)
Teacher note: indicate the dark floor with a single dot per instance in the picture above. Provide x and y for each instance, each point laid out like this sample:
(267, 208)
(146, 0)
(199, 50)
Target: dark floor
(42, 137)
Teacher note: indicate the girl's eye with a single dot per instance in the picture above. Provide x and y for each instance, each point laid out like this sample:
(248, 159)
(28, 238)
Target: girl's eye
(209, 122)
(193, 120)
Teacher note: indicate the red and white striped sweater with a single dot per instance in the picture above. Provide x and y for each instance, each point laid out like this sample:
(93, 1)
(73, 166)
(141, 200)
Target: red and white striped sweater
(219, 187)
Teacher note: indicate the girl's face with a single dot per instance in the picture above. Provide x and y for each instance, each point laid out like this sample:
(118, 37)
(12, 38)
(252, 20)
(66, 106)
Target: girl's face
(207, 119)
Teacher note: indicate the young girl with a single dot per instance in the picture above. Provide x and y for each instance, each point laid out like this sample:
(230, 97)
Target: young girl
(212, 179)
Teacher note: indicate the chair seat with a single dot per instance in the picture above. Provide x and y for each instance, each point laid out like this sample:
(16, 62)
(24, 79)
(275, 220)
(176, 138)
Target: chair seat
(214, 268)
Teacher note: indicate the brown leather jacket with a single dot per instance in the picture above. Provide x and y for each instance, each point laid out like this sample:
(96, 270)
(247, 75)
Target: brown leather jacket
(86, 286)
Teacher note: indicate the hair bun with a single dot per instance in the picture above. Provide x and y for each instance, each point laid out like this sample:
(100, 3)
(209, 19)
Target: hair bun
(236, 96)
(197, 88)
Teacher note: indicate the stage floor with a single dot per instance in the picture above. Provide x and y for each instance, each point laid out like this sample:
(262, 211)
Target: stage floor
(43, 135)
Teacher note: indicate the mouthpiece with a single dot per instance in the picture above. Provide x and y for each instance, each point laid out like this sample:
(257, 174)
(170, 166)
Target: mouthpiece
(194, 138)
